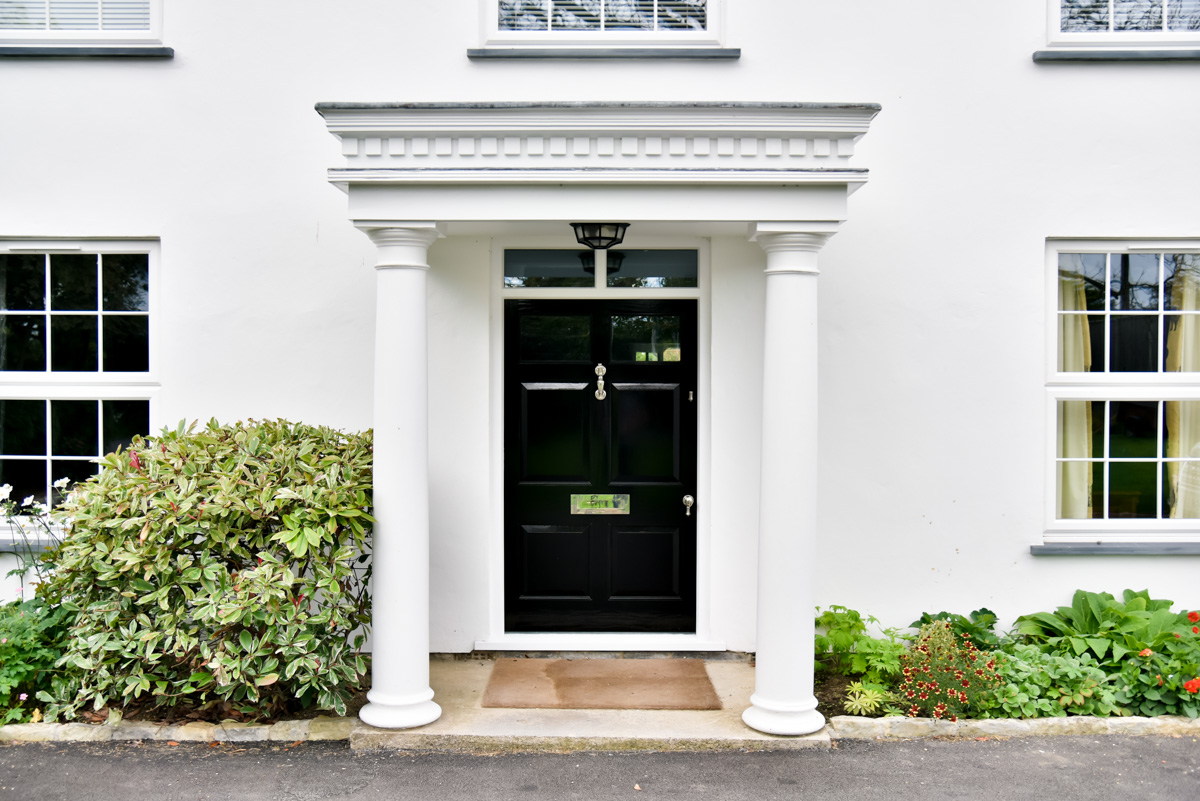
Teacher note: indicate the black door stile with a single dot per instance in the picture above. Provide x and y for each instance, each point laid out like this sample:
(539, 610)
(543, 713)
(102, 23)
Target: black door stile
(599, 572)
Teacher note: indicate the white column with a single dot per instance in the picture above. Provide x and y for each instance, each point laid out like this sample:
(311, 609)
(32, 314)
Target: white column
(783, 700)
(400, 696)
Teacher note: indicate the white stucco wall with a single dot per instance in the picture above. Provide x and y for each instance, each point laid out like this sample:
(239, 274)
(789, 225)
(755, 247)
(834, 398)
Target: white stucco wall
(932, 294)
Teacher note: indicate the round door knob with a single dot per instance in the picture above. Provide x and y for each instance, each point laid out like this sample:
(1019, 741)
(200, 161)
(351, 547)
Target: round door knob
(688, 500)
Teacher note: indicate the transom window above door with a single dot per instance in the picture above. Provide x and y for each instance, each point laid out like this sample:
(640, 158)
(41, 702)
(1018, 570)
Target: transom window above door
(612, 269)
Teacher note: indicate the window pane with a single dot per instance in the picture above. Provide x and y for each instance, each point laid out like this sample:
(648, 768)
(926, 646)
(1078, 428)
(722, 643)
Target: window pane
(1080, 490)
(637, 338)
(73, 283)
(74, 470)
(1133, 429)
(22, 282)
(524, 15)
(1135, 281)
(549, 268)
(1182, 495)
(1084, 15)
(1181, 429)
(555, 338)
(1181, 280)
(22, 342)
(576, 14)
(1137, 15)
(1181, 343)
(629, 15)
(1081, 281)
(74, 428)
(27, 477)
(1134, 345)
(1080, 429)
(123, 420)
(126, 343)
(126, 284)
(1184, 15)
(652, 268)
(687, 14)
(74, 14)
(1133, 490)
(23, 427)
(1080, 343)
(23, 14)
(73, 343)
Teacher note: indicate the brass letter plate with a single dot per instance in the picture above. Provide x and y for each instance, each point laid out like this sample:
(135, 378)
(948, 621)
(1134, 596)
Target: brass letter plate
(599, 504)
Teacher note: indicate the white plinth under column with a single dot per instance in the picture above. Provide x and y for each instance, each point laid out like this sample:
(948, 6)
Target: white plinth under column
(400, 696)
(783, 701)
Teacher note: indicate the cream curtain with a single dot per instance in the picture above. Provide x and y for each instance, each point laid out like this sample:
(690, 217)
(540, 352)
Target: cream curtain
(1074, 417)
(1183, 417)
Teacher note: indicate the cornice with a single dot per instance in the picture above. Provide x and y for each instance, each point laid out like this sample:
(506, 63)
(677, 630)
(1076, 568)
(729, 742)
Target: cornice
(652, 142)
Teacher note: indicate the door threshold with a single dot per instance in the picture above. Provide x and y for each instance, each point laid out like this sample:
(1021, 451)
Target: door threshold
(600, 641)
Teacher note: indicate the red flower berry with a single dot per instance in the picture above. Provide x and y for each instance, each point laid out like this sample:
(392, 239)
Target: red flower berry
(1192, 686)
(1195, 629)
(1194, 617)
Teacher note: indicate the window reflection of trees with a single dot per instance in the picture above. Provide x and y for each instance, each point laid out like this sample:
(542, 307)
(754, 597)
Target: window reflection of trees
(627, 15)
(1129, 15)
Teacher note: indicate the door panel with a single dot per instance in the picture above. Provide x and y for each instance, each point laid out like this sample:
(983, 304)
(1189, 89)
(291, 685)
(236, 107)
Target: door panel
(577, 558)
(555, 447)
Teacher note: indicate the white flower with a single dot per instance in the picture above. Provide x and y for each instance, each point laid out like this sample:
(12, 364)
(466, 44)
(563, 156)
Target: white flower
(62, 482)
(41, 508)
(28, 500)
(5, 491)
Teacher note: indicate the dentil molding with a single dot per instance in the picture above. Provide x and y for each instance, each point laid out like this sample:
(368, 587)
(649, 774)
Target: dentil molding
(652, 142)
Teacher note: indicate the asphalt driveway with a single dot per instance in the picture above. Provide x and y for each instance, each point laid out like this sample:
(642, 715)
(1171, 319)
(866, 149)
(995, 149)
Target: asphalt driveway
(1124, 768)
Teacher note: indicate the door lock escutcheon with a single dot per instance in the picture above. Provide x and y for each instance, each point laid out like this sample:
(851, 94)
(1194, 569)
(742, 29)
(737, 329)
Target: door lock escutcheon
(600, 371)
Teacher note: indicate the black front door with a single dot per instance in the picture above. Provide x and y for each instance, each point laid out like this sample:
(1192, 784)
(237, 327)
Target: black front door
(597, 535)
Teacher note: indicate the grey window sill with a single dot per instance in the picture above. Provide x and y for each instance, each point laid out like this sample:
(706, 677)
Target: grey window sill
(85, 52)
(1044, 56)
(706, 53)
(1117, 549)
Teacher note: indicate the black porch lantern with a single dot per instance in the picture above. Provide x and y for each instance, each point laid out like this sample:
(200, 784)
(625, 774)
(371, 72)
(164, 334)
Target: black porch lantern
(599, 236)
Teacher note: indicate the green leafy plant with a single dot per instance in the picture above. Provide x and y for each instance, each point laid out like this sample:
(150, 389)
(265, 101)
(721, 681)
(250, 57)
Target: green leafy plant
(1163, 682)
(843, 646)
(979, 626)
(217, 567)
(1036, 683)
(33, 636)
(1109, 629)
(866, 699)
(945, 675)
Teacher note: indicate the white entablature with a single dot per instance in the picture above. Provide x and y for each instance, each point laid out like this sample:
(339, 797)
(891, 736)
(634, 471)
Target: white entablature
(769, 143)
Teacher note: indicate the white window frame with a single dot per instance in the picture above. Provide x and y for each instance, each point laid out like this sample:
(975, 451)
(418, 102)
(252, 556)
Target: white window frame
(89, 38)
(100, 386)
(1114, 40)
(492, 36)
(1065, 386)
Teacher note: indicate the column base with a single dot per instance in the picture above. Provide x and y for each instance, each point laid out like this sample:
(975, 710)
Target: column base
(407, 716)
(788, 722)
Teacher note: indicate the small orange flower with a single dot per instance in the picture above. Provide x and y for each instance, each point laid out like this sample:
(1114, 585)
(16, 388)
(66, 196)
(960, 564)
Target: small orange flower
(1145, 652)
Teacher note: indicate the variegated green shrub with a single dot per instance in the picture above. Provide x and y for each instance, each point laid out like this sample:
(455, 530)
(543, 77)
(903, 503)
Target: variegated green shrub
(219, 564)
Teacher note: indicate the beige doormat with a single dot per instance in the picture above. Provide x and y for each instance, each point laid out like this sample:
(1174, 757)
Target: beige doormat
(600, 684)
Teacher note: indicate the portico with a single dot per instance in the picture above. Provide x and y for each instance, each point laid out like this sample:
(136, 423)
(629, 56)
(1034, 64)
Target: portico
(775, 174)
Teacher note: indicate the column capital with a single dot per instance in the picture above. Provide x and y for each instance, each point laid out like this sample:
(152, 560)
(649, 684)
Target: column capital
(401, 244)
(792, 247)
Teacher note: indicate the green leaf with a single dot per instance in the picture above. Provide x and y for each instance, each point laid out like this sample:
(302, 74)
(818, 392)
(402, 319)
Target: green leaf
(270, 678)
(246, 640)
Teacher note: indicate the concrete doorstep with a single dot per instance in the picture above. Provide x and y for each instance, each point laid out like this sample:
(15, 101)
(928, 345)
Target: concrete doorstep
(465, 726)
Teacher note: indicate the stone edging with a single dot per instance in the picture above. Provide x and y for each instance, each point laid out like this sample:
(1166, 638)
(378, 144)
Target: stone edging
(846, 727)
(321, 728)
(842, 727)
